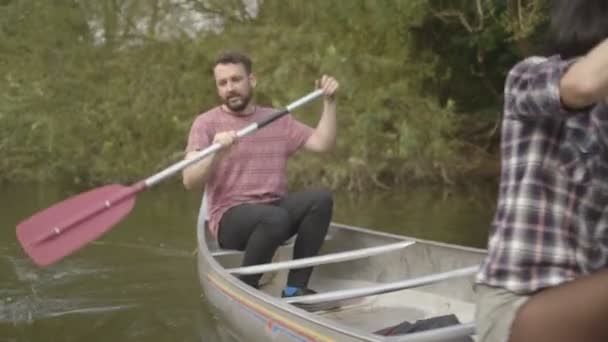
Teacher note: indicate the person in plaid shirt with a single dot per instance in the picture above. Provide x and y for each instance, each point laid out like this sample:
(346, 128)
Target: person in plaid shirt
(545, 277)
(250, 208)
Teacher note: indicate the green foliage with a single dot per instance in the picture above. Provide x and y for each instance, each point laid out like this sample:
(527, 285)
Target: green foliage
(98, 91)
(81, 111)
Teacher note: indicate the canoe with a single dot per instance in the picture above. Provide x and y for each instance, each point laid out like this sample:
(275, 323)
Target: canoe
(375, 284)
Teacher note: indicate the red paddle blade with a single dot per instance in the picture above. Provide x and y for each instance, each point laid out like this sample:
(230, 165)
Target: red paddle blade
(62, 229)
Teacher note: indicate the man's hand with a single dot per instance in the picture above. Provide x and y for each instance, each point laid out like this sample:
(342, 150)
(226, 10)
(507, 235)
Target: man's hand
(324, 136)
(227, 139)
(329, 85)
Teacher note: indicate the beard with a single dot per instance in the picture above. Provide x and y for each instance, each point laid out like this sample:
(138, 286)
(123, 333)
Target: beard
(237, 102)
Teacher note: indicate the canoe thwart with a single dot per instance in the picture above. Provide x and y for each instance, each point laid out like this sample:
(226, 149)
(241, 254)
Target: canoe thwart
(382, 288)
(321, 259)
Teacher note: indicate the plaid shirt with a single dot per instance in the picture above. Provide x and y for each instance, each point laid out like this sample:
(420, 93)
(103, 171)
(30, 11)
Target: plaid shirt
(550, 224)
(254, 171)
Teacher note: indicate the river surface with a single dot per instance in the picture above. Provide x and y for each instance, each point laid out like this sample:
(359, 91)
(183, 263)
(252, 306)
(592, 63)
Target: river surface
(139, 282)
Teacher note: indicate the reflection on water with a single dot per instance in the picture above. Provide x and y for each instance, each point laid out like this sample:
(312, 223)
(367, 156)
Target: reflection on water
(139, 282)
(454, 215)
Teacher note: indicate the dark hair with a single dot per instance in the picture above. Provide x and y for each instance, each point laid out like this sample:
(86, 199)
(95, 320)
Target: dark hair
(232, 57)
(577, 26)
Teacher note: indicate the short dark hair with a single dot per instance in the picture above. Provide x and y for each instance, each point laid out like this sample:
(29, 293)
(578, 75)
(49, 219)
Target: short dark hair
(233, 57)
(577, 26)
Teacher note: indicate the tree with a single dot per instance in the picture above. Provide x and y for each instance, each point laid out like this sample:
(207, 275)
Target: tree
(100, 90)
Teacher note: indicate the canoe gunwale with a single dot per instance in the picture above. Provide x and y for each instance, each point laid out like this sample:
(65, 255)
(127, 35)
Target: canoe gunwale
(405, 237)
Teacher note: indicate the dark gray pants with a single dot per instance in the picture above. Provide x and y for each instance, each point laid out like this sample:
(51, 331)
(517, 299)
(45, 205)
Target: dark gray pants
(259, 229)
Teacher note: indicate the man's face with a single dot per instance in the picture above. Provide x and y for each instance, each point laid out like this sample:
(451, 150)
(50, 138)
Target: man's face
(234, 85)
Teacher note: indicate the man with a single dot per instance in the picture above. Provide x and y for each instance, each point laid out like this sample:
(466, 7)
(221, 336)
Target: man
(545, 276)
(246, 182)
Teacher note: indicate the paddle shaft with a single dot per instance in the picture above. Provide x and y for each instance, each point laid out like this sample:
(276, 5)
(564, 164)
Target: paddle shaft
(171, 170)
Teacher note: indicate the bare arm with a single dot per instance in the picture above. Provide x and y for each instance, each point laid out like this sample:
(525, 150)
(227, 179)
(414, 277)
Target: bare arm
(323, 138)
(197, 174)
(582, 303)
(586, 81)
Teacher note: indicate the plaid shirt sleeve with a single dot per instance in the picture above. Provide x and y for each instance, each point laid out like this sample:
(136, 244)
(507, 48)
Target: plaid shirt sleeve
(532, 89)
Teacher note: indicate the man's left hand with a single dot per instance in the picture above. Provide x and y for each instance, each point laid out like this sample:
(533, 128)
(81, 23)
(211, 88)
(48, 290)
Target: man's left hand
(329, 85)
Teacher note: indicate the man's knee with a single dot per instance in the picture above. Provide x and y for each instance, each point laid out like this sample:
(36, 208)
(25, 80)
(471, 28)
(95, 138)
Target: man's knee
(322, 199)
(277, 224)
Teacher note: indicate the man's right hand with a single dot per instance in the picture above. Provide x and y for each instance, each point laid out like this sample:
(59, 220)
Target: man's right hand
(195, 176)
(227, 139)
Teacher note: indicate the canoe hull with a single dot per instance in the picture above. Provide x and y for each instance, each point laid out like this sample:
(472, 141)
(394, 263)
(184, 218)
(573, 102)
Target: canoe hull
(246, 314)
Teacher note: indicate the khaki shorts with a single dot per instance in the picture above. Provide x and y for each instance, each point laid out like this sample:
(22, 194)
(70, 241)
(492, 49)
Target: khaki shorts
(495, 312)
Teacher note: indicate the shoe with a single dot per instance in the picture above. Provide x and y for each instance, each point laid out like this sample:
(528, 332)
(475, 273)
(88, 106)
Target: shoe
(296, 291)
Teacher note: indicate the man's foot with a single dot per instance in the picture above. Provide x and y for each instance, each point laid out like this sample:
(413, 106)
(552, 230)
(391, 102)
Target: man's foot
(289, 292)
(296, 291)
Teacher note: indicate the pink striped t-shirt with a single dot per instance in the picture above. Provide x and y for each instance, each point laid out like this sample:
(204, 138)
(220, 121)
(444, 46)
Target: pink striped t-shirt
(254, 171)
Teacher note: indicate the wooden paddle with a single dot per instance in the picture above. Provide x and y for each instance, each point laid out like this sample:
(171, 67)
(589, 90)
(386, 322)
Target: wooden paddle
(55, 232)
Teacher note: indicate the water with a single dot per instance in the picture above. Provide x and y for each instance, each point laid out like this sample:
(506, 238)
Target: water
(139, 282)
